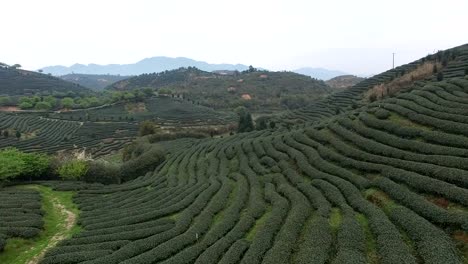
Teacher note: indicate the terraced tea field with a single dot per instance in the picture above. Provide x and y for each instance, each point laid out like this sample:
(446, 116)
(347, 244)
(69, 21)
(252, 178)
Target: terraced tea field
(386, 183)
(103, 130)
(352, 97)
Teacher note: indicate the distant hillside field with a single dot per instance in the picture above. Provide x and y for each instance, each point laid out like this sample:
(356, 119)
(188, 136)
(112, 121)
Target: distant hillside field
(255, 90)
(103, 130)
(20, 82)
(93, 81)
(344, 81)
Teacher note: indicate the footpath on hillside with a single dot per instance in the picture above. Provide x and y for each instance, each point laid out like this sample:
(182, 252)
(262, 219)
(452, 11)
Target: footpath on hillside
(59, 224)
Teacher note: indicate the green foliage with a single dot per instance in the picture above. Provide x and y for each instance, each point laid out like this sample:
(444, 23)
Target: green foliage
(102, 172)
(12, 162)
(142, 163)
(67, 102)
(440, 76)
(146, 128)
(382, 114)
(245, 121)
(43, 106)
(5, 101)
(73, 169)
(261, 123)
(165, 91)
(52, 101)
(16, 163)
(26, 105)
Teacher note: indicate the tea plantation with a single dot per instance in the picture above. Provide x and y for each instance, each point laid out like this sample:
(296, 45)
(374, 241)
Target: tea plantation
(102, 130)
(385, 183)
(21, 214)
(344, 181)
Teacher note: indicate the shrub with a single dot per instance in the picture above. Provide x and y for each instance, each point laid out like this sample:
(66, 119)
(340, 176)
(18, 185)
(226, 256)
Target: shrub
(139, 166)
(73, 169)
(440, 76)
(43, 106)
(102, 172)
(146, 128)
(25, 105)
(16, 163)
(382, 114)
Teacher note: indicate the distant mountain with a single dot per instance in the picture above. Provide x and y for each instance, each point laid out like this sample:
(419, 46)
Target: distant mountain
(344, 81)
(15, 82)
(319, 73)
(93, 81)
(149, 65)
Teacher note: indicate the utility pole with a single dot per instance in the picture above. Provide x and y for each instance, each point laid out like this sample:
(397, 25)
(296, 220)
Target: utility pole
(393, 64)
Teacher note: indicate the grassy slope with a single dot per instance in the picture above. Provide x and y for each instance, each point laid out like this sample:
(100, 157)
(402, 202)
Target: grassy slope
(20, 250)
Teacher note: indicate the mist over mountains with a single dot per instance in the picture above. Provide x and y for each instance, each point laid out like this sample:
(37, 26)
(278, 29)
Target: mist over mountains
(161, 63)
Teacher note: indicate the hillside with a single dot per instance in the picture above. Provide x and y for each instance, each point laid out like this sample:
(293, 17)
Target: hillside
(93, 81)
(343, 81)
(103, 130)
(148, 65)
(412, 75)
(255, 90)
(385, 183)
(20, 82)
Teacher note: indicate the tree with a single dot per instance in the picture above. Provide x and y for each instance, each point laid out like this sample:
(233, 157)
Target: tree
(43, 106)
(16, 163)
(372, 97)
(5, 100)
(434, 68)
(261, 123)
(245, 121)
(6, 133)
(25, 105)
(73, 170)
(50, 100)
(18, 134)
(16, 66)
(466, 71)
(40, 71)
(164, 91)
(252, 69)
(12, 163)
(147, 91)
(146, 128)
(67, 102)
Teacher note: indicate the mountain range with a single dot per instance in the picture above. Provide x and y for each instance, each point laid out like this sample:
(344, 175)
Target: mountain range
(148, 65)
(160, 64)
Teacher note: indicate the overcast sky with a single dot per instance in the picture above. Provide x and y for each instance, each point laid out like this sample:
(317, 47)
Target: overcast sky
(356, 36)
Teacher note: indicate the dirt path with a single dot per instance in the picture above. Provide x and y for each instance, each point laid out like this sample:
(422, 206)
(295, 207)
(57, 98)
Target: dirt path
(70, 220)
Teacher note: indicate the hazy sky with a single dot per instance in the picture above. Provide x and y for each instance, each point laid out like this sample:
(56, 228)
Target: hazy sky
(356, 36)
